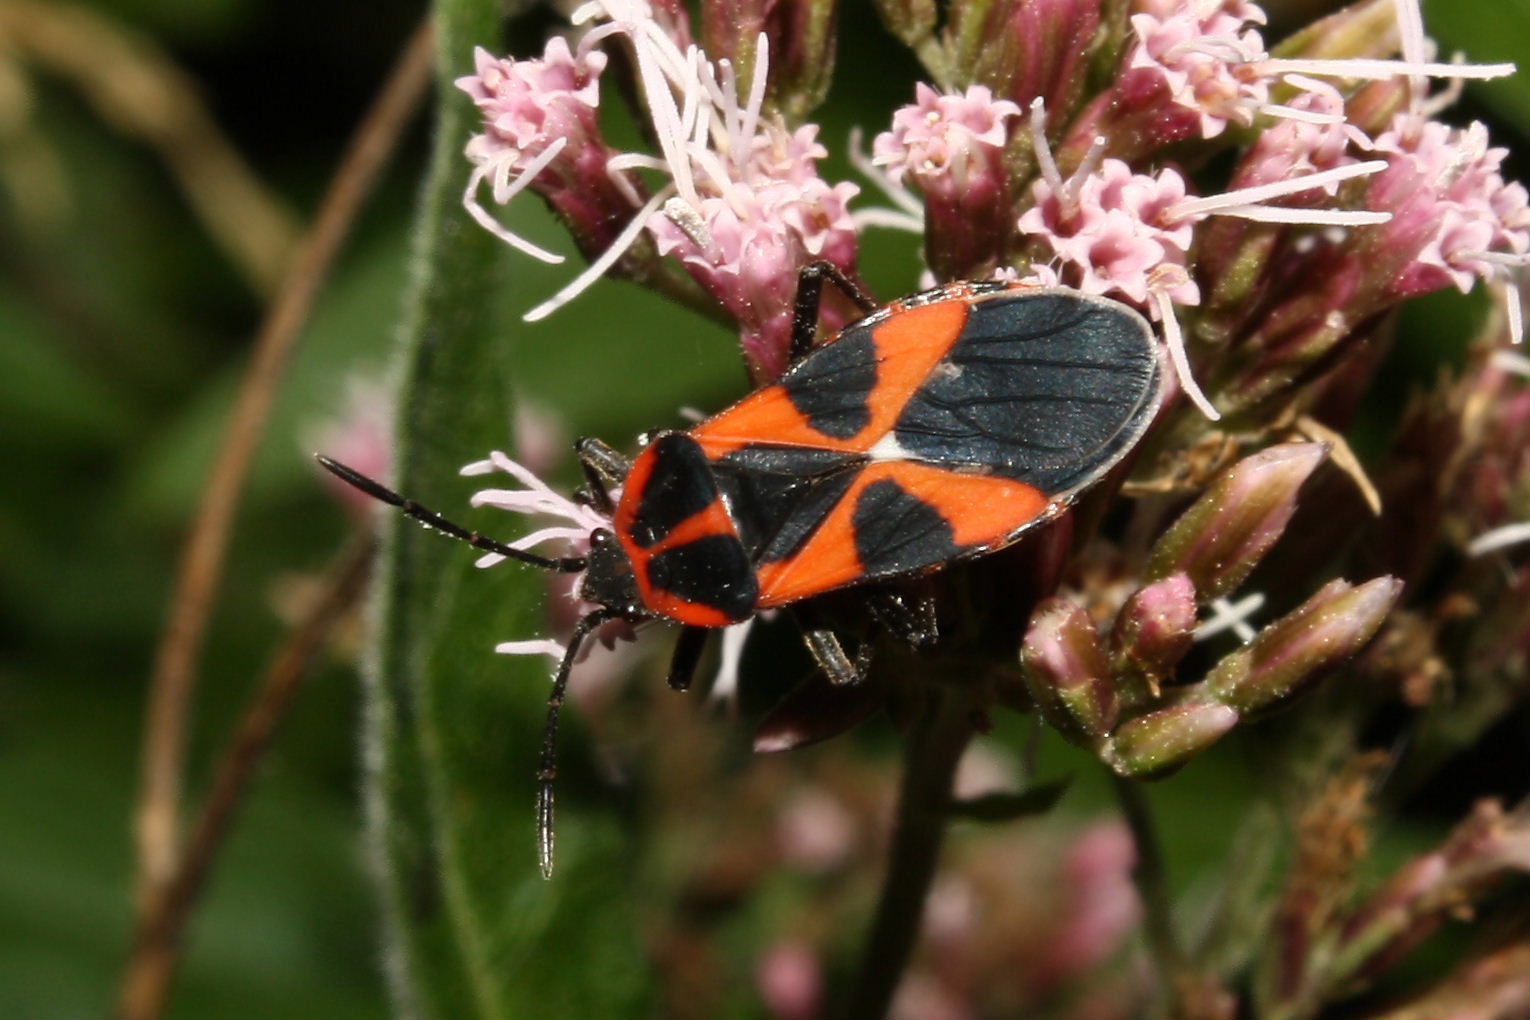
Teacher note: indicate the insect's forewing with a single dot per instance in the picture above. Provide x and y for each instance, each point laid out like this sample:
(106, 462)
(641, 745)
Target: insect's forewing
(931, 434)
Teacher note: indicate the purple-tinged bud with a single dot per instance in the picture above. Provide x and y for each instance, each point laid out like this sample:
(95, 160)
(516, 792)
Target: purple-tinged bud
(800, 39)
(1225, 534)
(1321, 633)
(1154, 630)
(1066, 672)
(1026, 49)
(1166, 739)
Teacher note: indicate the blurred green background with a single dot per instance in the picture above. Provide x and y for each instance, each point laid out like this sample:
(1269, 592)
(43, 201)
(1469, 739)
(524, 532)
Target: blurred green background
(124, 327)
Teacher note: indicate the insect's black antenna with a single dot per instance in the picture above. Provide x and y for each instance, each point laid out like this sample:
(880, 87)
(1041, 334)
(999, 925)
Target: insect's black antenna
(564, 564)
(548, 773)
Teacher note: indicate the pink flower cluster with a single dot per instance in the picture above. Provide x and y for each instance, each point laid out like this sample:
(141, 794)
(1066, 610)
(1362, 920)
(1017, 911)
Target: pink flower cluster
(1116, 228)
(941, 140)
(527, 104)
(1299, 145)
(744, 209)
(541, 128)
(1202, 55)
(750, 230)
(951, 148)
(1450, 205)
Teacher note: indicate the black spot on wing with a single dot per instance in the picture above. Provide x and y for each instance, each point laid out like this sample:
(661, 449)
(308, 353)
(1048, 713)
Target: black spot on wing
(775, 494)
(896, 532)
(711, 571)
(831, 386)
(1046, 388)
(680, 486)
(803, 516)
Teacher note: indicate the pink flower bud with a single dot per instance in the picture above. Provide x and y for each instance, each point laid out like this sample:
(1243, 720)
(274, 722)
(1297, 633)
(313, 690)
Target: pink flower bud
(361, 436)
(1155, 629)
(1101, 902)
(790, 979)
(1225, 534)
(1066, 672)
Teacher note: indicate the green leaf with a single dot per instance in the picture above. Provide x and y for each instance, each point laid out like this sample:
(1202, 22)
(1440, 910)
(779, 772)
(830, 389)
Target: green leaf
(453, 730)
(1488, 33)
(1006, 807)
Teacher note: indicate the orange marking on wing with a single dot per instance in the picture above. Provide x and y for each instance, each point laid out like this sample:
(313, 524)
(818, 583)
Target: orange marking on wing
(983, 511)
(829, 559)
(767, 415)
(908, 345)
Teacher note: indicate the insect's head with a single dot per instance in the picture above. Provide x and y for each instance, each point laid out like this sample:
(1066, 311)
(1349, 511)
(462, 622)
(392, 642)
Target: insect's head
(608, 579)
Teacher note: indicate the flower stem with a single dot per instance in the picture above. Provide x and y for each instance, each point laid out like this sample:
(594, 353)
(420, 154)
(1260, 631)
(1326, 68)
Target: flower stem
(935, 747)
(1153, 887)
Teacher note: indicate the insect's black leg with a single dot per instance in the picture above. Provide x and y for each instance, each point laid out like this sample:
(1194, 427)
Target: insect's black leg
(547, 774)
(810, 294)
(431, 519)
(830, 655)
(910, 617)
(604, 469)
(688, 648)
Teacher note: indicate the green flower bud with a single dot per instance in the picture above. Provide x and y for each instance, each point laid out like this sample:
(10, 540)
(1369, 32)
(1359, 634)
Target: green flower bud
(1066, 672)
(1225, 534)
(1166, 739)
(1323, 632)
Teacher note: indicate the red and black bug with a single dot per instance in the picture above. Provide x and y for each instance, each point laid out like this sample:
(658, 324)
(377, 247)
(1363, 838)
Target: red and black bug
(936, 429)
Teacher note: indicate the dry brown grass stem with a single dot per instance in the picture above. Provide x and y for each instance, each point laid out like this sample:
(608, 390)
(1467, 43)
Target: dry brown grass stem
(201, 567)
(157, 941)
(138, 90)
